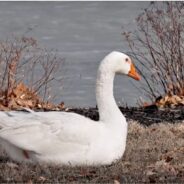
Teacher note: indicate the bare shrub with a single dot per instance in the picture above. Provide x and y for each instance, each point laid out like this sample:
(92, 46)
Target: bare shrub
(26, 66)
(158, 45)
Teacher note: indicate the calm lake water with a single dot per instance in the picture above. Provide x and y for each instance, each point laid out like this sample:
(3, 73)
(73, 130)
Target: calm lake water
(83, 33)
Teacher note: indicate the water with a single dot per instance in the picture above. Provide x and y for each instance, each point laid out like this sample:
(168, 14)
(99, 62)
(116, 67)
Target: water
(83, 33)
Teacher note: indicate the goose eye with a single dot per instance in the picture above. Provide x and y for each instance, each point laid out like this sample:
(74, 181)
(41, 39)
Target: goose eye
(126, 60)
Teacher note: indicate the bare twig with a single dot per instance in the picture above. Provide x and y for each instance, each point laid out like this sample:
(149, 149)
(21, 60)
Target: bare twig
(158, 46)
(22, 61)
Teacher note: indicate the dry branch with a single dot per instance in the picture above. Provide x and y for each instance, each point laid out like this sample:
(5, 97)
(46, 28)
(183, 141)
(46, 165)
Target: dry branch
(26, 68)
(158, 46)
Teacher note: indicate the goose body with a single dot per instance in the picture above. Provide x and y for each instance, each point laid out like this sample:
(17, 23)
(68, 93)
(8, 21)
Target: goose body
(67, 138)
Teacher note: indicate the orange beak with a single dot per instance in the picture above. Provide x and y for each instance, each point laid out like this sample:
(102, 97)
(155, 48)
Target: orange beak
(133, 73)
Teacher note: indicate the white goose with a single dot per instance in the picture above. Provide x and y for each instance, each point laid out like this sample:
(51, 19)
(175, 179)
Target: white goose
(68, 138)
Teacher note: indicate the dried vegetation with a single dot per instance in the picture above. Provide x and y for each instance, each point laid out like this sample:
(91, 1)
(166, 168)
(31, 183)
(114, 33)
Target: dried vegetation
(26, 74)
(158, 46)
(153, 154)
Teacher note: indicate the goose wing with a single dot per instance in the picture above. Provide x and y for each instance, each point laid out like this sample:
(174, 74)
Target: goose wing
(47, 133)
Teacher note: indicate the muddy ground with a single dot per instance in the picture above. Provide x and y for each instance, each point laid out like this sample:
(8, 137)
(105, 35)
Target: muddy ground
(144, 115)
(154, 154)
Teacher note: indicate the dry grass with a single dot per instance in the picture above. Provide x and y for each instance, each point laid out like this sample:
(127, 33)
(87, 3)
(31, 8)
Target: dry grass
(153, 154)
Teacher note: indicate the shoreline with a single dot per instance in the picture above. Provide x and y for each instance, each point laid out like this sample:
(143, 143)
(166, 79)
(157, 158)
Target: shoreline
(143, 115)
(146, 116)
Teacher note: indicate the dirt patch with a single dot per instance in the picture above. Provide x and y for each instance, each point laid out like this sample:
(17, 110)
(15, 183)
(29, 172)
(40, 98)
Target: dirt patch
(154, 154)
(144, 115)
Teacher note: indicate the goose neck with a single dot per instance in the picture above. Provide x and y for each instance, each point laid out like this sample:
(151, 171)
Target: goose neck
(107, 106)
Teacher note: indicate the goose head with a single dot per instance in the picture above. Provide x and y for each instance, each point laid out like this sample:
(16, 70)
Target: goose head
(120, 63)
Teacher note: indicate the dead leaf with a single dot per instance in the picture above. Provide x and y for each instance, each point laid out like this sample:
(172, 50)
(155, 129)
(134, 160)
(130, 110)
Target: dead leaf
(42, 178)
(116, 182)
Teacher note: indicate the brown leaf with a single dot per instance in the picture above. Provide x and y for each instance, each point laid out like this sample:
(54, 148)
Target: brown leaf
(42, 178)
(116, 182)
